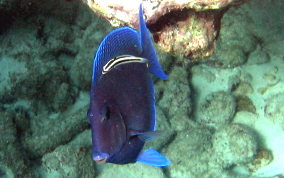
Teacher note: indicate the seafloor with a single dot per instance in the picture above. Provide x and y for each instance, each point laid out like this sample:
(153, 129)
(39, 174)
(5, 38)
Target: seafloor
(224, 117)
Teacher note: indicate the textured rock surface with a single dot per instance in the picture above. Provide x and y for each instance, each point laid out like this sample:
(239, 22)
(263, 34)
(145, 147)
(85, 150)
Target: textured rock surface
(185, 28)
(93, 34)
(13, 162)
(41, 77)
(274, 109)
(191, 145)
(45, 128)
(174, 97)
(217, 110)
(131, 170)
(234, 45)
(68, 161)
(262, 159)
(240, 40)
(234, 144)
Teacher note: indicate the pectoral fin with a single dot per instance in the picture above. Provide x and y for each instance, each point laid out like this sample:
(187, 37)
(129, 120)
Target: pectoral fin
(144, 136)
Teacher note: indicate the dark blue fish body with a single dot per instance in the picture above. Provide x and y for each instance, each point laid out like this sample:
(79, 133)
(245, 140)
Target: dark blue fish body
(122, 108)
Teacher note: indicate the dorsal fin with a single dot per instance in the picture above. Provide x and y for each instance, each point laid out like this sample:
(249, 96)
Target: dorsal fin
(148, 50)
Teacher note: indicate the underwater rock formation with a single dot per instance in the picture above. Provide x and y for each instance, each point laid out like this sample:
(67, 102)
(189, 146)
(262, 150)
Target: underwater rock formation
(185, 28)
(217, 110)
(263, 158)
(233, 49)
(43, 139)
(234, 144)
(13, 162)
(274, 109)
(131, 170)
(173, 97)
(70, 160)
(191, 155)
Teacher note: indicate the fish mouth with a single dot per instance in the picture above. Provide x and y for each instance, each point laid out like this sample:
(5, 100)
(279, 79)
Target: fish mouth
(100, 158)
(102, 161)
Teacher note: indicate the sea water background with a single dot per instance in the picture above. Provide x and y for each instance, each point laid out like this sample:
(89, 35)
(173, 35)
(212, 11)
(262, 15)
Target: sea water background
(221, 122)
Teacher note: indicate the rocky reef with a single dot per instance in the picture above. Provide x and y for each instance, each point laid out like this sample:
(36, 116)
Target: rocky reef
(187, 29)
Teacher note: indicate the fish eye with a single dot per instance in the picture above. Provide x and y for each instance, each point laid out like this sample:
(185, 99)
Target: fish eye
(108, 112)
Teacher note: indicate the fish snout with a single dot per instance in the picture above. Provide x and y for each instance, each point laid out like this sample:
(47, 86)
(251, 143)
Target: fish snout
(100, 158)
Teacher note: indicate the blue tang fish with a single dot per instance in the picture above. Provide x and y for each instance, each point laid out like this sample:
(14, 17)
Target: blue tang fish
(122, 106)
